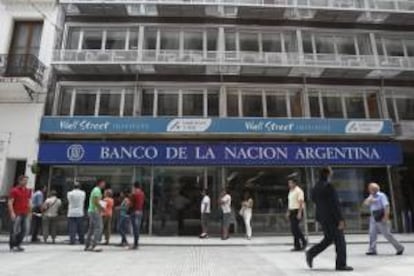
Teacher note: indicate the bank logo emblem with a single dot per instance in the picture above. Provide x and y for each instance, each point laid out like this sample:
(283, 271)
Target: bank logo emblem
(75, 152)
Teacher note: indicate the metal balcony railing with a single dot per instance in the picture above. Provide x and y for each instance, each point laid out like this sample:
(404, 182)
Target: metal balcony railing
(361, 5)
(22, 65)
(194, 57)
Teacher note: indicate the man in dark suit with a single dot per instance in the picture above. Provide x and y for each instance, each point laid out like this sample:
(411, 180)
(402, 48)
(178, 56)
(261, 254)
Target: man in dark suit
(329, 215)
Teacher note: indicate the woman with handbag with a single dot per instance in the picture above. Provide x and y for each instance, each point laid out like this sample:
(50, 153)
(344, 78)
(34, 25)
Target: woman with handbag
(246, 212)
(380, 219)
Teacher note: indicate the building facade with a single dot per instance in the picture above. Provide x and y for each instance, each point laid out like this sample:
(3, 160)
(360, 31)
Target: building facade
(191, 95)
(27, 34)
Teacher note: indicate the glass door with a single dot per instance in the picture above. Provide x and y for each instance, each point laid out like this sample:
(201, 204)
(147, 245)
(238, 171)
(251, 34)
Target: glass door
(177, 197)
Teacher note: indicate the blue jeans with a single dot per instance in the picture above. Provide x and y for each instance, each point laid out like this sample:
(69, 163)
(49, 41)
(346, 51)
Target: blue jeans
(123, 228)
(75, 226)
(136, 219)
(17, 231)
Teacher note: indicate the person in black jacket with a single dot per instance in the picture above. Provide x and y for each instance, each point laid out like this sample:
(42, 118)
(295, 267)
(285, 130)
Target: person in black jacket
(329, 215)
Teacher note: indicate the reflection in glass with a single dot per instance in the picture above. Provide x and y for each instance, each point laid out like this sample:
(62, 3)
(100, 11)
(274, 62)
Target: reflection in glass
(355, 107)
(170, 39)
(84, 103)
(405, 108)
(167, 104)
(249, 42)
(129, 104)
(73, 38)
(147, 102)
(193, 104)
(252, 105)
(65, 102)
(115, 39)
(213, 103)
(232, 105)
(276, 106)
(332, 107)
(92, 39)
(315, 110)
(109, 104)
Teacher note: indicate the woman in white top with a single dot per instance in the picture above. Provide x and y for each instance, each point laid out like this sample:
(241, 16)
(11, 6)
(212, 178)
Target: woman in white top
(246, 212)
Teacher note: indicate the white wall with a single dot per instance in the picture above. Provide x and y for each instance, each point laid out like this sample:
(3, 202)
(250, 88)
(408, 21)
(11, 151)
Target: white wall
(22, 122)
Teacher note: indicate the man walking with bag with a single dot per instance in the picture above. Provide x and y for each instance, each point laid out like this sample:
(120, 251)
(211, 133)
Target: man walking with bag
(380, 219)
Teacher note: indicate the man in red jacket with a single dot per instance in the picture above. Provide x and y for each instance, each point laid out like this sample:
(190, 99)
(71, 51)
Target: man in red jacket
(19, 208)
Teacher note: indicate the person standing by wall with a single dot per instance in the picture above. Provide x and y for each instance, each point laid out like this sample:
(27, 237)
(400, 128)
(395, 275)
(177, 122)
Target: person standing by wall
(76, 213)
(96, 207)
(50, 215)
(137, 208)
(329, 215)
(19, 208)
(296, 203)
(225, 204)
(107, 215)
(246, 212)
(37, 203)
(205, 210)
(379, 220)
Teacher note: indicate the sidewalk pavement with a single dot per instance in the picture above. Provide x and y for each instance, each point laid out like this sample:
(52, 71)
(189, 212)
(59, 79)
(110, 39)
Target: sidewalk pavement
(146, 240)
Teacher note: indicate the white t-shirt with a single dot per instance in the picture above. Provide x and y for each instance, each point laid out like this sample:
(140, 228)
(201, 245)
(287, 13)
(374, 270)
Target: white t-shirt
(295, 197)
(226, 204)
(205, 205)
(76, 200)
(52, 205)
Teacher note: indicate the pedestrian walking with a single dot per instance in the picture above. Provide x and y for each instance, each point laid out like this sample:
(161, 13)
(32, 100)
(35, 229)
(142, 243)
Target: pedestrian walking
(96, 207)
(225, 204)
(19, 208)
(379, 220)
(50, 216)
(329, 215)
(296, 203)
(123, 222)
(76, 214)
(205, 210)
(246, 212)
(37, 203)
(136, 212)
(107, 214)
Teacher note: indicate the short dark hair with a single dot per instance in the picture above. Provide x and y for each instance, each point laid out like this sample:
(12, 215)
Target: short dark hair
(99, 181)
(21, 177)
(53, 193)
(137, 184)
(324, 173)
(205, 191)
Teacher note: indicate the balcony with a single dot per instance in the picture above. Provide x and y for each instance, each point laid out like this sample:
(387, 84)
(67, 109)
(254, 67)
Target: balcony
(229, 62)
(22, 71)
(376, 11)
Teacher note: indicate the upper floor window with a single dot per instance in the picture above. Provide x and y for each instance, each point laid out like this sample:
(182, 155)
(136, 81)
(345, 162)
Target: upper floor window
(263, 103)
(343, 104)
(400, 105)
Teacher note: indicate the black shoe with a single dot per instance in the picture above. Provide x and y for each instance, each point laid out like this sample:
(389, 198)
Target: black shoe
(400, 252)
(344, 268)
(18, 249)
(371, 253)
(305, 244)
(309, 259)
(134, 247)
(296, 249)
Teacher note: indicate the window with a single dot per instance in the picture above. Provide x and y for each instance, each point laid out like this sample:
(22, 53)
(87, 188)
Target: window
(167, 103)
(346, 45)
(193, 41)
(147, 102)
(211, 40)
(394, 47)
(230, 42)
(193, 104)
(109, 104)
(115, 39)
(150, 40)
(249, 42)
(213, 103)
(307, 43)
(276, 105)
(315, 108)
(170, 39)
(271, 43)
(73, 38)
(92, 39)
(133, 39)
(296, 104)
(373, 105)
(390, 107)
(85, 103)
(332, 107)
(65, 102)
(355, 106)
(324, 44)
(252, 105)
(129, 104)
(233, 104)
(405, 108)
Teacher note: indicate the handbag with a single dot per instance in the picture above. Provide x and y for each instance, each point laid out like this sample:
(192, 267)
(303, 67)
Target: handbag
(378, 215)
